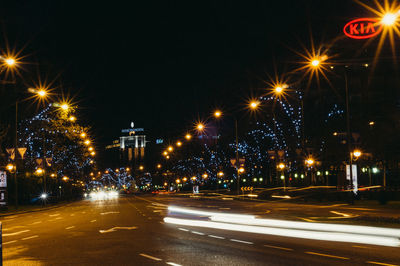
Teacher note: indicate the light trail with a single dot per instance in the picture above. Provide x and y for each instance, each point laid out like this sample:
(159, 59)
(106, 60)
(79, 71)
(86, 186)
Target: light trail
(315, 235)
(326, 227)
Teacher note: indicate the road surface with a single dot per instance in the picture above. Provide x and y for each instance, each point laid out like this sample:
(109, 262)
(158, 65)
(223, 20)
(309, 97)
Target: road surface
(134, 231)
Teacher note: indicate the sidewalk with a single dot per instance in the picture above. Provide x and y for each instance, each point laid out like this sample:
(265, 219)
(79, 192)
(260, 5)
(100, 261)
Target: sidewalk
(30, 208)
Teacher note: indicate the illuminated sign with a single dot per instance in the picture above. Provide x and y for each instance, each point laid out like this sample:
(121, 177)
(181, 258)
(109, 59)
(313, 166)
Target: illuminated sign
(362, 28)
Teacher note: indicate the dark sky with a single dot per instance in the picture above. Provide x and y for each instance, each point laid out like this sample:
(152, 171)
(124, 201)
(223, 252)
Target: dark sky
(162, 64)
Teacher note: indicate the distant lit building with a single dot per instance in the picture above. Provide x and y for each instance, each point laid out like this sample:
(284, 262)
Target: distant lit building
(129, 149)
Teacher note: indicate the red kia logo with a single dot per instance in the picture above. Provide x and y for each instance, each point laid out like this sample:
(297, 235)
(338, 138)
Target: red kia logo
(362, 28)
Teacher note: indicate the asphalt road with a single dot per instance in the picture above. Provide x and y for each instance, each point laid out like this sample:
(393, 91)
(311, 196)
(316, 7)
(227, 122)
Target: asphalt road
(132, 231)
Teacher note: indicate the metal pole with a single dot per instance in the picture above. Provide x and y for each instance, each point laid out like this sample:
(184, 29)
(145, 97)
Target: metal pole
(1, 244)
(15, 154)
(237, 157)
(348, 130)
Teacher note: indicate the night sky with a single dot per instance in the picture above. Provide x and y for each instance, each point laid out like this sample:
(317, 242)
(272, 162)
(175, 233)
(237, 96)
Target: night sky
(162, 64)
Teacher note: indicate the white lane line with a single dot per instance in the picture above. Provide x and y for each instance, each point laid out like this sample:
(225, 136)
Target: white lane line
(9, 242)
(173, 264)
(92, 221)
(116, 228)
(356, 246)
(326, 255)
(198, 233)
(29, 237)
(224, 208)
(183, 229)
(269, 246)
(150, 257)
(218, 237)
(104, 213)
(16, 233)
(52, 215)
(70, 227)
(241, 241)
(38, 222)
(381, 263)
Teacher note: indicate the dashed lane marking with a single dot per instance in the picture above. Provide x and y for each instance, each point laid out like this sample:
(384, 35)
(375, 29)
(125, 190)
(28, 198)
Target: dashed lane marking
(241, 241)
(38, 222)
(355, 246)
(150, 257)
(104, 213)
(69, 227)
(173, 264)
(30, 237)
(16, 233)
(326, 255)
(116, 228)
(52, 215)
(92, 221)
(218, 237)
(381, 263)
(269, 246)
(183, 229)
(9, 242)
(198, 233)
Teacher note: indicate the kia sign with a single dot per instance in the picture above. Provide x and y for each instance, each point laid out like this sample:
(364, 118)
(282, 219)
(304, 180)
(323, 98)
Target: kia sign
(363, 28)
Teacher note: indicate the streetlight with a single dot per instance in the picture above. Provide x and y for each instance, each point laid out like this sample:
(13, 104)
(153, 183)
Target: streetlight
(10, 167)
(72, 118)
(200, 127)
(217, 114)
(188, 136)
(141, 167)
(357, 153)
(159, 166)
(254, 104)
(83, 135)
(170, 148)
(178, 143)
(389, 19)
(64, 106)
(87, 142)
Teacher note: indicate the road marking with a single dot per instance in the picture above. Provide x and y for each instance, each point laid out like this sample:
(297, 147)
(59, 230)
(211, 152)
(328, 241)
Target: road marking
(16, 233)
(183, 229)
(326, 255)
(104, 213)
(162, 223)
(51, 215)
(157, 210)
(116, 228)
(29, 237)
(269, 246)
(38, 222)
(72, 214)
(241, 241)
(198, 233)
(341, 213)
(355, 246)
(92, 221)
(381, 263)
(9, 242)
(70, 227)
(13, 227)
(150, 257)
(224, 208)
(218, 237)
(307, 220)
(173, 264)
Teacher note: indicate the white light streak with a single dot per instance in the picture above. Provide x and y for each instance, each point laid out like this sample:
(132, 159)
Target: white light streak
(315, 235)
(339, 228)
(206, 213)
